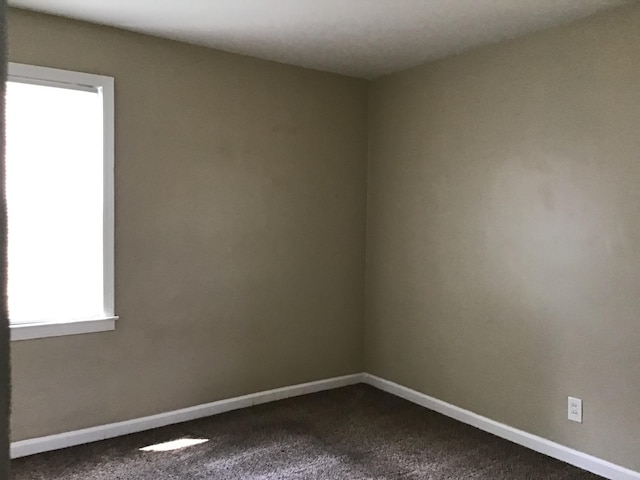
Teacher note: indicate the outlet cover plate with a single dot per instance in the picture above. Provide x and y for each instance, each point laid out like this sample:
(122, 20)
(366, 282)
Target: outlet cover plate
(574, 409)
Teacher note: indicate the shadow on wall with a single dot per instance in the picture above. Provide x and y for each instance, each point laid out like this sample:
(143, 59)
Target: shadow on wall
(4, 322)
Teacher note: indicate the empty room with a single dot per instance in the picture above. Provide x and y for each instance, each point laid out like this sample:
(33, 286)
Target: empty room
(280, 239)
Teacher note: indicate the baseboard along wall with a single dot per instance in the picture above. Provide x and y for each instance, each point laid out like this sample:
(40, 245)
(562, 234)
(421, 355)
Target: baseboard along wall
(32, 446)
(560, 452)
(533, 442)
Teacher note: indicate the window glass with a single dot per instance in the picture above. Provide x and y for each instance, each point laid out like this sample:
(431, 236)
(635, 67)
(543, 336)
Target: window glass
(54, 161)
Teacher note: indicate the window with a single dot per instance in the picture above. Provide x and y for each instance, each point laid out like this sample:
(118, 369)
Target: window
(59, 183)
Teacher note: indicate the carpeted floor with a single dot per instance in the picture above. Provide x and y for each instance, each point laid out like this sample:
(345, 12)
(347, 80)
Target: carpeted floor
(350, 433)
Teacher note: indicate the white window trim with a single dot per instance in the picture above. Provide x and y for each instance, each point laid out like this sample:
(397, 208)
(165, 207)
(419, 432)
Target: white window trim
(31, 331)
(23, 73)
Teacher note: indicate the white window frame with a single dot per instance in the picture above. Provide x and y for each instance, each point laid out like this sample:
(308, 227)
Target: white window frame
(18, 72)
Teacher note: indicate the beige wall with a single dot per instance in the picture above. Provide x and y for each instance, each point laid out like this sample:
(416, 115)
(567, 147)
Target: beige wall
(503, 254)
(240, 208)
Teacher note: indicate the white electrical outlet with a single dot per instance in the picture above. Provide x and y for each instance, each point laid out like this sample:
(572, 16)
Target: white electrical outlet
(574, 410)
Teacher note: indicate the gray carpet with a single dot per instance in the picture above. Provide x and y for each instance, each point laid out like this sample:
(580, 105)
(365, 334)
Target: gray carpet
(352, 433)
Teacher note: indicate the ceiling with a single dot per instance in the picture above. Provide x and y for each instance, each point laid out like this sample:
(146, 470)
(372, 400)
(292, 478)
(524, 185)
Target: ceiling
(361, 38)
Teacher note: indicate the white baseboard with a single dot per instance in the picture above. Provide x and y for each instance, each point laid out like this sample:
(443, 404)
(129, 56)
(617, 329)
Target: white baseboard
(533, 442)
(87, 435)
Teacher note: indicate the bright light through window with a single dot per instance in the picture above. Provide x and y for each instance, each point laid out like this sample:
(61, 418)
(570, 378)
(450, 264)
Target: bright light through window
(174, 445)
(54, 175)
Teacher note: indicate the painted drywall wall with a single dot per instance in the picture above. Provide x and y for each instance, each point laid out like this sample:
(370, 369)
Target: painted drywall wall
(503, 238)
(240, 209)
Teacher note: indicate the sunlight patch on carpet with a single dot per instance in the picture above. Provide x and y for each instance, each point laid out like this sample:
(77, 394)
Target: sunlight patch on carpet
(174, 444)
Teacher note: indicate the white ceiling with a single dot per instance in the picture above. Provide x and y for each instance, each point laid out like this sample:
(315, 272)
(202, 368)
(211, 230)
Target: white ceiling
(362, 38)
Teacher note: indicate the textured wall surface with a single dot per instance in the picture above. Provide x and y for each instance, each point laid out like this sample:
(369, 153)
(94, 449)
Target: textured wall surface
(503, 253)
(240, 209)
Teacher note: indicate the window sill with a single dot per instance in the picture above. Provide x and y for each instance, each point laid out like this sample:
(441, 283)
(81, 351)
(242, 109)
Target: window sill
(30, 331)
